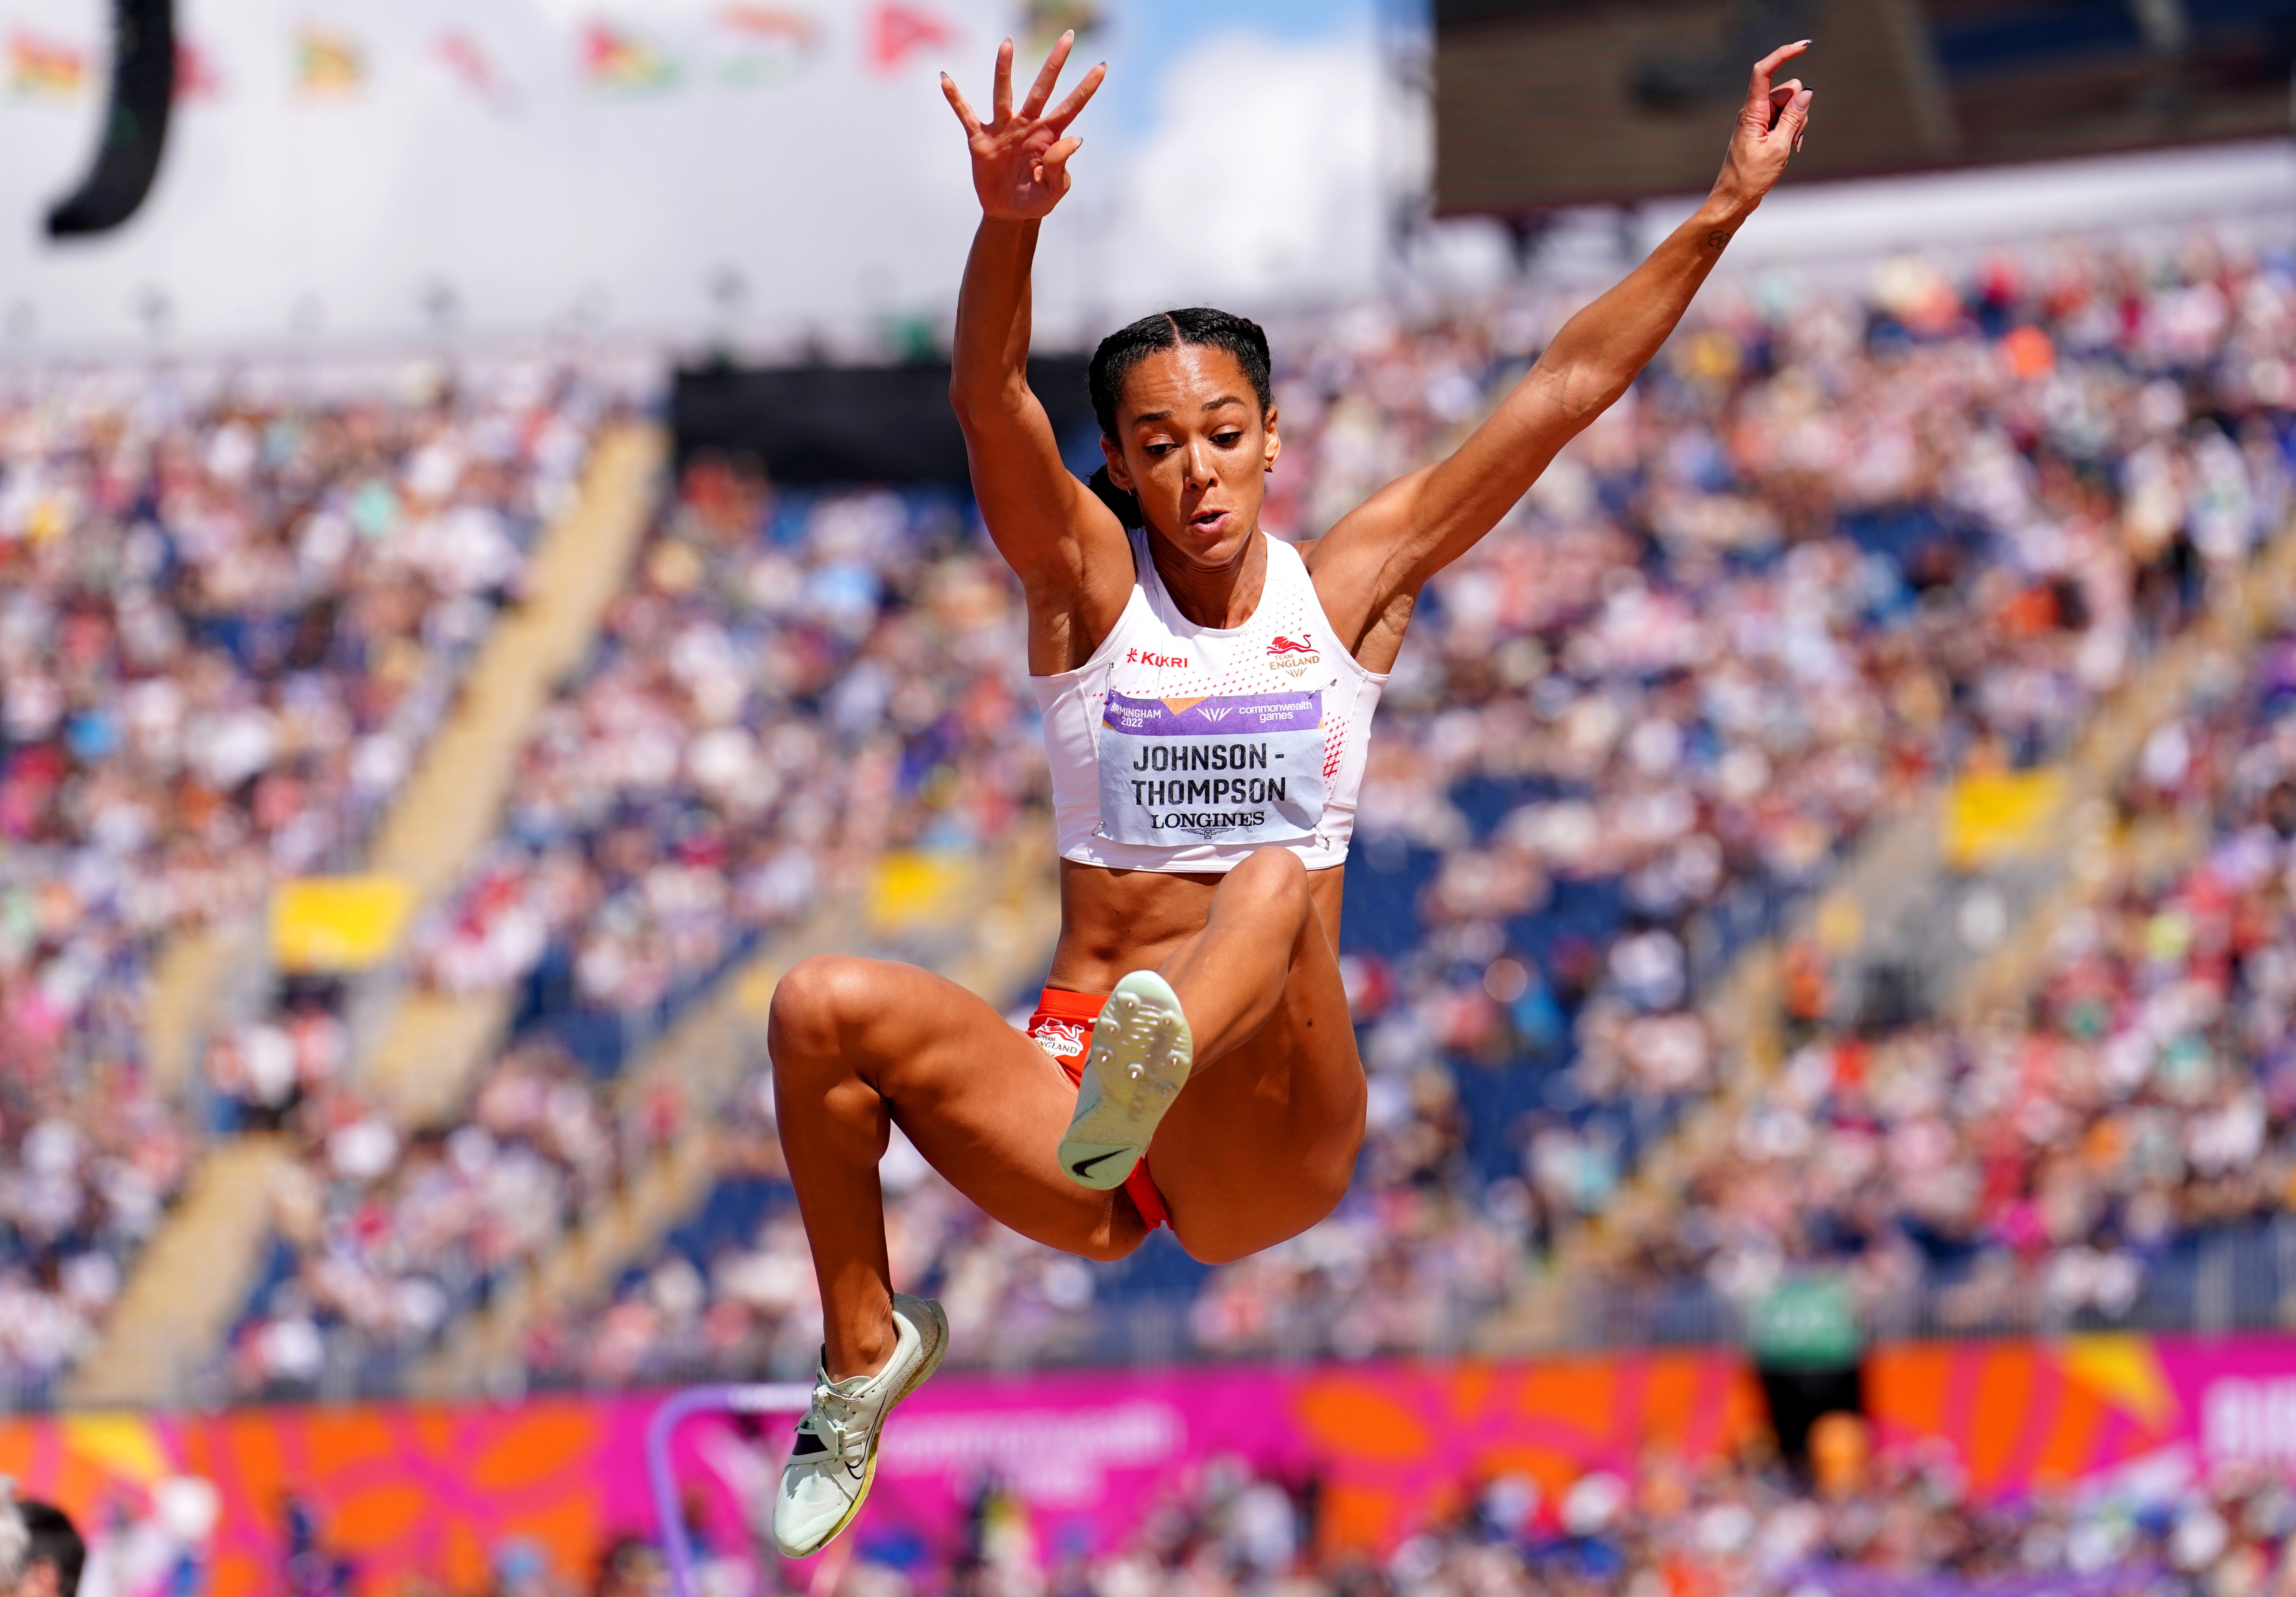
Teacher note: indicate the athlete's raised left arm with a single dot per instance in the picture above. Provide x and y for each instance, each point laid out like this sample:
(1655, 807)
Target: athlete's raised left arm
(1369, 566)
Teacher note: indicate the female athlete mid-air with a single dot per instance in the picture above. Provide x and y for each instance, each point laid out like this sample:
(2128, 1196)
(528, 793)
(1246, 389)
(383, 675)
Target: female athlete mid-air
(1208, 695)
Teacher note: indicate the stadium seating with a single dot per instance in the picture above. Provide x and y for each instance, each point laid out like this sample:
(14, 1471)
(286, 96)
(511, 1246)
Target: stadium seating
(796, 687)
(2073, 1163)
(229, 617)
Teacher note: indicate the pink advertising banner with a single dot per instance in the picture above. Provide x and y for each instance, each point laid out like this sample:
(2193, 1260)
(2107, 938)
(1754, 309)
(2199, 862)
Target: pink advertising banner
(441, 1492)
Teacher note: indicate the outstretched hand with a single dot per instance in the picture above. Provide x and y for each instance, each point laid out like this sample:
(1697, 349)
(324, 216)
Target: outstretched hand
(1021, 158)
(1769, 130)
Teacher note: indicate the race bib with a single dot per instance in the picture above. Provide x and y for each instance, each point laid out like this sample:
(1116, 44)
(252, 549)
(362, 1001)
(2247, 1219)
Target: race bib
(1241, 768)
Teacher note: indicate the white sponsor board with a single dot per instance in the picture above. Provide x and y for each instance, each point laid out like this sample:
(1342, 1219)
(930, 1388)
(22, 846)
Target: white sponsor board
(2250, 1420)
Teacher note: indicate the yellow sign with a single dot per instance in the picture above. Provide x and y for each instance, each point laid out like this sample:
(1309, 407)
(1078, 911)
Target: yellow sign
(909, 886)
(333, 923)
(1990, 817)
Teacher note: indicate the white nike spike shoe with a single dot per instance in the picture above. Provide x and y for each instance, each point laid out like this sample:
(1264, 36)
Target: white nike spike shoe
(829, 1471)
(1141, 1053)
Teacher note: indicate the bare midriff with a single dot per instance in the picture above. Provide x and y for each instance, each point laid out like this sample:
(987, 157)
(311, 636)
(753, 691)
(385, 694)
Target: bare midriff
(1114, 922)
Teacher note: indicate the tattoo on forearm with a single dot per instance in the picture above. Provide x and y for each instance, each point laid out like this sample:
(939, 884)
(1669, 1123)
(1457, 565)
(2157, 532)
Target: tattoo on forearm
(1717, 238)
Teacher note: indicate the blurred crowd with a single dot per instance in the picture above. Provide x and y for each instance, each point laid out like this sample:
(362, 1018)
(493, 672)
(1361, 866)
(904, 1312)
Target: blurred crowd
(383, 1234)
(2044, 1164)
(1903, 1526)
(229, 616)
(791, 687)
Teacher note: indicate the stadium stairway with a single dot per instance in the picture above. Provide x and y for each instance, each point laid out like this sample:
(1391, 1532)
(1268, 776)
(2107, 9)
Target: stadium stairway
(988, 924)
(185, 1286)
(1899, 889)
(188, 1281)
(200, 977)
(2090, 853)
(426, 1046)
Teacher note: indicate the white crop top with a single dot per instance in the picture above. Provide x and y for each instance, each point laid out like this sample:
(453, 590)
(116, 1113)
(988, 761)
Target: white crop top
(1183, 747)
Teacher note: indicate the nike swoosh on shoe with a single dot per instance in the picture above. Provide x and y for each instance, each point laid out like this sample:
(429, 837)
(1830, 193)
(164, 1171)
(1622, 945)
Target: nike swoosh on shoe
(1140, 1057)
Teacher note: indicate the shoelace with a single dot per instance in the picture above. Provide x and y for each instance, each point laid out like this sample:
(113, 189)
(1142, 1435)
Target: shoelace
(830, 1418)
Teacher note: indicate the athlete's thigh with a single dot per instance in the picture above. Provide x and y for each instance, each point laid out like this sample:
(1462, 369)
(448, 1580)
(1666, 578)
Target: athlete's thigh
(985, 1105)
(1262, 1143)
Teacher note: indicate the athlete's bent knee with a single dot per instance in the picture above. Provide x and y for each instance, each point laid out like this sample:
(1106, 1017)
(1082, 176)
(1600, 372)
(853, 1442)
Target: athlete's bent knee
(1273, 865)
(1213, 1251)
(1219, 1245)
(1310, 1194)
(1273, 878)
(1320, 1190)
(811, 1004)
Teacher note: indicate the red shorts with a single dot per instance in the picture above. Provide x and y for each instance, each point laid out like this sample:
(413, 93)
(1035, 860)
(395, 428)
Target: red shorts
(1062, 1028)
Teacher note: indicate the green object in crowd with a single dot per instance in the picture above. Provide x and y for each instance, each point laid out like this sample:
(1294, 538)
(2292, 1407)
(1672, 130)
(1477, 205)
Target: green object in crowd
(1804, 1322)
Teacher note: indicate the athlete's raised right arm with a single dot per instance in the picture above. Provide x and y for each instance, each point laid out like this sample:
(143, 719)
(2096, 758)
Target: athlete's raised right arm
(1067, 548)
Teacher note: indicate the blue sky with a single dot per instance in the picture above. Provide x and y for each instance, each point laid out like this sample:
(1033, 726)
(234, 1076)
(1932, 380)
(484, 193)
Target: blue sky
(1142, 38)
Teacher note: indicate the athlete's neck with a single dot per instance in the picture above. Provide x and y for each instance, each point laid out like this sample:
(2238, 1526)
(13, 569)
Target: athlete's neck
(1223, 596)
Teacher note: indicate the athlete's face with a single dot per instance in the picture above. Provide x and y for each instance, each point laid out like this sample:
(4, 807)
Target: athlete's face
(1195, 451)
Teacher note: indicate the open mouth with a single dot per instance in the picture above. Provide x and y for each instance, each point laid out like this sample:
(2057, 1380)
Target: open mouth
(1207, 520)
